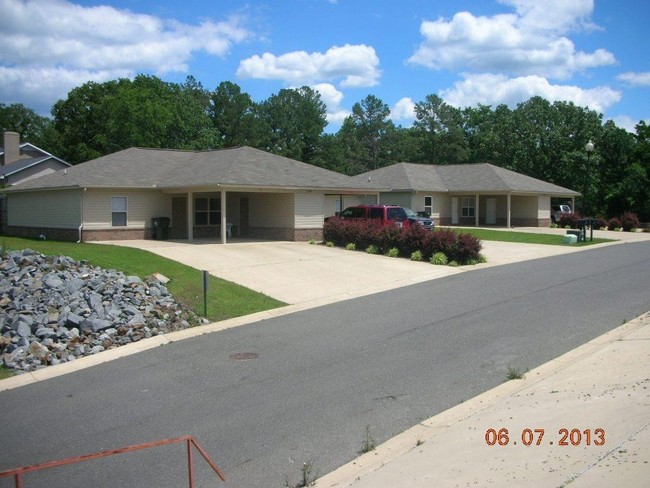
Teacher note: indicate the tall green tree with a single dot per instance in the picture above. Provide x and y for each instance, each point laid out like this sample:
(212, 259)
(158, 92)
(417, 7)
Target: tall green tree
(364, 134)
(441, 126)
(294, 120)
(19, 118)
(235, 116)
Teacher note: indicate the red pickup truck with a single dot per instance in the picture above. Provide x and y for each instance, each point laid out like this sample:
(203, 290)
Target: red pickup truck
(387, 215)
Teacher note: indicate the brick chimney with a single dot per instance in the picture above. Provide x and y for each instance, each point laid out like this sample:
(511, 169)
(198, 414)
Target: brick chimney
(11, 146)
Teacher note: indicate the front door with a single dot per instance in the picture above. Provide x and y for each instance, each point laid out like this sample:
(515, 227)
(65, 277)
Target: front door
(179, 218)
(491, 211)
(454, 210)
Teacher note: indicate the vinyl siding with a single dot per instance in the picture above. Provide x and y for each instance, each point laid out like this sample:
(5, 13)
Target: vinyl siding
(309, 213)
(142, 206)
(51, 209)
(524, 207)
(36, 171)
(272, 210)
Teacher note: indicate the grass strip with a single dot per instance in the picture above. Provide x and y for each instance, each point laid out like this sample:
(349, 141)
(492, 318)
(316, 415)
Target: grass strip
(525, 237)
(225, 299)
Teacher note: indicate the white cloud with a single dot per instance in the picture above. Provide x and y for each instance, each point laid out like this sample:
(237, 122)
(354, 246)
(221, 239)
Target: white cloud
(495, 89)
(97, 43)
(625, 122)
(403, 110)
(530, 42)
(354, 65)
(332, 99)
(636, 79)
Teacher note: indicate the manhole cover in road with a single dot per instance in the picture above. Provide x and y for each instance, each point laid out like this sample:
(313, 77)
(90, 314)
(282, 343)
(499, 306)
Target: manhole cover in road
(244, 356)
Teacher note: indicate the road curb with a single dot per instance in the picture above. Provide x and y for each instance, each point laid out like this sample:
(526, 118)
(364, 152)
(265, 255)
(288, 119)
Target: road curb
(437, 425)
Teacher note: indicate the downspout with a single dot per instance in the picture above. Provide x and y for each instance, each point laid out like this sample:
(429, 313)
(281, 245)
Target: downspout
(81, 214)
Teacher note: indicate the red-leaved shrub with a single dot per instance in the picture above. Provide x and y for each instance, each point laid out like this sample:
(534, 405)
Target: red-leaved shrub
(629, 221)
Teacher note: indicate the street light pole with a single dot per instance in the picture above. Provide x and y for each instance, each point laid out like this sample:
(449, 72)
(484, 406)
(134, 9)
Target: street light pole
(589, 147)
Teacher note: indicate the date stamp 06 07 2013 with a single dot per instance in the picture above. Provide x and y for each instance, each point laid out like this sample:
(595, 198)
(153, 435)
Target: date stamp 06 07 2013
(535, 437)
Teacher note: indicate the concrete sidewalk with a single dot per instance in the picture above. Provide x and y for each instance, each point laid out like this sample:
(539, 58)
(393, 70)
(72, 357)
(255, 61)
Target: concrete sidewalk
(604, 384)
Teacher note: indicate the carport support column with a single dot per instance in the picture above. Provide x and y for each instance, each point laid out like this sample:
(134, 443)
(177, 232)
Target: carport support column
(190, 216)
(509, 210)
(223, 216)
(477, 211)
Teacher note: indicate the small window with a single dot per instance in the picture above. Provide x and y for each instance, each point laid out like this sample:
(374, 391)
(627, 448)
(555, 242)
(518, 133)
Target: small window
(207, 211)
(118, 211)
(428, 206)
(467, 206)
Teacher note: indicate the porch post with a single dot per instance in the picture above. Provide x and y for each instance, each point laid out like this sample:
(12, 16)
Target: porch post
(476, 210)
(509, 209)
(223, 216)
(190, 216)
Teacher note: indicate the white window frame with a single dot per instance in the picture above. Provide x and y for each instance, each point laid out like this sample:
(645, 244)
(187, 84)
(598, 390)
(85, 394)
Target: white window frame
(119, 211)
(468, 207)
(428, 208)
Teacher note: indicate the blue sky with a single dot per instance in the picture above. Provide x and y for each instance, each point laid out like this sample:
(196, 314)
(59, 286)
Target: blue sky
(591, 52)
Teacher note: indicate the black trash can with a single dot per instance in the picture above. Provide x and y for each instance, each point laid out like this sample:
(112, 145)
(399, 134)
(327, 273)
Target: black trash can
(160, 227)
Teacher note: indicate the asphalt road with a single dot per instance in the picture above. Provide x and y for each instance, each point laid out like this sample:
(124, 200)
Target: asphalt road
(386, 361)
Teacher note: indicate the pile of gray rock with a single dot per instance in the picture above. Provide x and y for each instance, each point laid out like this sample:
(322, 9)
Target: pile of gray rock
(54, 309)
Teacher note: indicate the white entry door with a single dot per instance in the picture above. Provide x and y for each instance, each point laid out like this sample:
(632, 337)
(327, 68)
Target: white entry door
(454, 210)
(491, 211)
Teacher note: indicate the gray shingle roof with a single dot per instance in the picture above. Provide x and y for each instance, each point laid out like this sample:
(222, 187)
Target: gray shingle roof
(169, 169)
(459, 178)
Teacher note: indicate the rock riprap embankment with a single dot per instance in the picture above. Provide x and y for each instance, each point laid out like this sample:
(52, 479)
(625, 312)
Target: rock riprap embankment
(54, 309)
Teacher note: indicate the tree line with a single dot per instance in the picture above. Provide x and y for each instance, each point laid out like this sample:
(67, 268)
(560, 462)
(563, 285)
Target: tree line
(537, 138)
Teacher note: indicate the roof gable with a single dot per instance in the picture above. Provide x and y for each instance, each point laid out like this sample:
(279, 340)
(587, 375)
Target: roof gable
(170, 169)
(459, 178)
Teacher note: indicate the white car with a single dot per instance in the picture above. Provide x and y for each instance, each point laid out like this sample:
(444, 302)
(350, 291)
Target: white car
(557, 211)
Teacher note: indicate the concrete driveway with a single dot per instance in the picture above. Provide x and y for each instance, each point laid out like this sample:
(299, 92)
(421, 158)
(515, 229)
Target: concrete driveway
(311, 275)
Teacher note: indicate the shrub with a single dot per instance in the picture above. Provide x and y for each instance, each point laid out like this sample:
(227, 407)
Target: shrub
(329, 244)
(569, 220)
(469, 248)
(393, 252)
(629, 221)
(413, 238)
(600, 223)
(351, 246)
(439, 258)
(614, 224)
(372, 249)
(444, 241)
(416, 255)
(460, 248)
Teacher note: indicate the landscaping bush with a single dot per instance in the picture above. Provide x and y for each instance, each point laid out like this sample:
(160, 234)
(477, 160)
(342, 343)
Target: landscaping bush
(416, 255)
(614, 224)
(457, 248)
(468, 249)
(600, 223)
(413, 238)
(569, 220)
(444, 241)
(629, 221)
(393, 252)
(439, 258)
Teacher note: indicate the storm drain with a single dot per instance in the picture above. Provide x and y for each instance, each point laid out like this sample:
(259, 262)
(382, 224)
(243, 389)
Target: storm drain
(244, 356)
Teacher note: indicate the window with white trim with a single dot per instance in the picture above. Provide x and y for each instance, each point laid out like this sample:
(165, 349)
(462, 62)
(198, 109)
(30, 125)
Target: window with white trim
(118, 211)
(468, 205)
(428, 205)
(207, 211)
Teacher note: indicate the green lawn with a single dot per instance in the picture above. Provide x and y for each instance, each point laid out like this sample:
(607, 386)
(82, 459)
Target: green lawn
(225, 299)
(524, 237)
